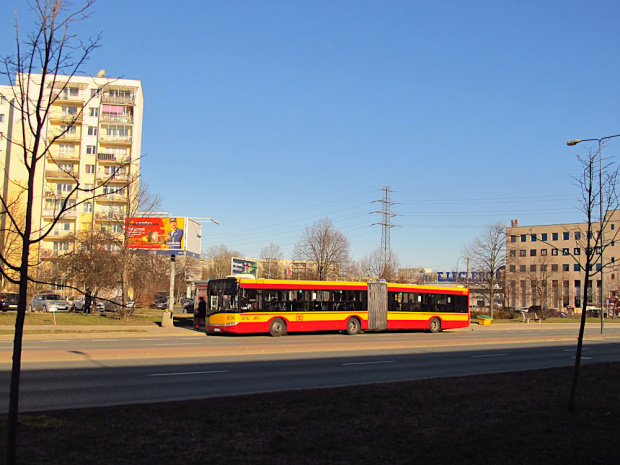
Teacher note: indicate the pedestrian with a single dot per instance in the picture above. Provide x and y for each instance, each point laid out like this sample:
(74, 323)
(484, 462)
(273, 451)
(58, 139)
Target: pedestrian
(201, 313)
(87, 301)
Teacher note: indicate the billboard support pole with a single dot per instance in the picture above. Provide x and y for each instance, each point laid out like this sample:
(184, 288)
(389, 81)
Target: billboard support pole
(166, 319)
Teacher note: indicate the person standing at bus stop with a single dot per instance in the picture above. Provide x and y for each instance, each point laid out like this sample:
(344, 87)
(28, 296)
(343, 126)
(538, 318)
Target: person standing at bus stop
(201, 313)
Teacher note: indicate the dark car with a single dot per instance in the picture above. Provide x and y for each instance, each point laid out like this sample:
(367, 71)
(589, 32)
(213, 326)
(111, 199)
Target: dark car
(188, 305)
(8, 301)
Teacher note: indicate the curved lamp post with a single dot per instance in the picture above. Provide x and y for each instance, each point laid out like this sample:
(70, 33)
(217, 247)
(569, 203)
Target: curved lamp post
(600, 181)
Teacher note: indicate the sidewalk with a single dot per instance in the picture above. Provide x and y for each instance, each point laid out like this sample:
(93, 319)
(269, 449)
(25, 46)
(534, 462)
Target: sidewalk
(77, 331)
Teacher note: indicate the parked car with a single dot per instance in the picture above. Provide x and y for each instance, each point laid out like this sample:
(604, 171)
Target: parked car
(8, 301)
(160, 303)
(188, 305)
(49, 303)
(115, 304)
(77, 304)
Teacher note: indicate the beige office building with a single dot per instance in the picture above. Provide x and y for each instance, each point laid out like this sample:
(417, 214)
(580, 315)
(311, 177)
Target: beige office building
(544, 264)
(99, 121)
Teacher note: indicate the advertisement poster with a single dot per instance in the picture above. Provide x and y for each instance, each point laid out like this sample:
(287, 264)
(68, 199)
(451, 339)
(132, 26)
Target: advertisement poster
(164, 234)
(240, 266)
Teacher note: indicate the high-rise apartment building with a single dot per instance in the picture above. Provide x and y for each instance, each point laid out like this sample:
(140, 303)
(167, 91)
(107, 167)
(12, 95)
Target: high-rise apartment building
(544, 264)
(99, 124)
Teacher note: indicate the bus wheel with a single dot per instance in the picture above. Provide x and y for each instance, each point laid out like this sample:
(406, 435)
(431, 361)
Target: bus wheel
(353, 326)
(435, 325)
(277, 327)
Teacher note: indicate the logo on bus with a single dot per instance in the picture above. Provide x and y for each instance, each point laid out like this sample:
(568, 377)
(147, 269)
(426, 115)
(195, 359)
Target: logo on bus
(299, 317)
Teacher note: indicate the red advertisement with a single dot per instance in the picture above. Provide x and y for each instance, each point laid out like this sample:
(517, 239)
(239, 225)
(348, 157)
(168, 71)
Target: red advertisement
(155, 233)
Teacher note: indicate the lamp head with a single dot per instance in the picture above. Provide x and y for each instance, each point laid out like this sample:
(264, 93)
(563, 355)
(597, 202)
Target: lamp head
(573, 142)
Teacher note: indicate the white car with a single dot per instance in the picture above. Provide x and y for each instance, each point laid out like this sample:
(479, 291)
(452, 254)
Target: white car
(49, 303)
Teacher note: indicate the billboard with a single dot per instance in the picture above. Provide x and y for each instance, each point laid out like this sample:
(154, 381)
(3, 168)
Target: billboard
(241, 266)
(164, 235)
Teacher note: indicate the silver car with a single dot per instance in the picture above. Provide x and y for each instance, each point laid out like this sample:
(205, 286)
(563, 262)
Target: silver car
(49, 303)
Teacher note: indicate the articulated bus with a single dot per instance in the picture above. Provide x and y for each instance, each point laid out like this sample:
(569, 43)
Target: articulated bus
(241, 305)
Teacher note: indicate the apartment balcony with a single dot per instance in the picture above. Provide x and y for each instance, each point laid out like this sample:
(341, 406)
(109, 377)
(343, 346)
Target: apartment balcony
(109, 216)
(131, 100)
(116, 198)
(75, 138)
(60, 174)
(117, 118)
(65, 97)
(108, 178)
(116, 140)
(61, 235)
(51, 213)
(112, 158)
(67, 118)
(56, 157)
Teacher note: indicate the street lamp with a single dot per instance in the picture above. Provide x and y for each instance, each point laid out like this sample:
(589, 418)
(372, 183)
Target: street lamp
(600, 181)
(466, 274)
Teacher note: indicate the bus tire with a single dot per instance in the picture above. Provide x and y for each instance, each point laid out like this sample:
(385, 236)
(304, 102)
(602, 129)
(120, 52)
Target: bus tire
(435, 326)
(353, 326)
(277, 327)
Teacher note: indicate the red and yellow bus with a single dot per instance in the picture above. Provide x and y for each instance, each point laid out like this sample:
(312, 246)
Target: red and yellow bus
(240, 305)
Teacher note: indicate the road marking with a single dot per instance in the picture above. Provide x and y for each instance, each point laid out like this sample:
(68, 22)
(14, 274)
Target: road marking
(178, 344)
(105, 340)
(574, 350)
(491, 355)
(368, 363)
(584, 358)
(187, 373)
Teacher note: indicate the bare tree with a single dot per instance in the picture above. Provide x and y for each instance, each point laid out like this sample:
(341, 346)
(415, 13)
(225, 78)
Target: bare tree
(377, 266)
(58, 56)
(270, 261)
(324, 245)
(595, 242)
(220, 261)
(487, 255)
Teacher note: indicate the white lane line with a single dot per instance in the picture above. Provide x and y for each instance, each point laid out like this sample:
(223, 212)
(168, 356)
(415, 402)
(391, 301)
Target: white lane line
(583, 358)
(490, 355)
(574, 350)
(106, 340)
(367, 363)
(188, 373)
(171, 344)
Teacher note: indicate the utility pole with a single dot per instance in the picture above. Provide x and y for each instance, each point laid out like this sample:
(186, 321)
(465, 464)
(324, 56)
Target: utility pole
(386, 224)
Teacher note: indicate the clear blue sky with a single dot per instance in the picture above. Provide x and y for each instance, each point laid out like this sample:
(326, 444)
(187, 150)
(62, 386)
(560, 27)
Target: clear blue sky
(269, 115)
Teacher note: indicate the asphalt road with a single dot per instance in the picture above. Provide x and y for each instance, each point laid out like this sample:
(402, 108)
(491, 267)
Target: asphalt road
(60, 373)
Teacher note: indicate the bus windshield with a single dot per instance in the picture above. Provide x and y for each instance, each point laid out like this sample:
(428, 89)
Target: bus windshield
(223, 296)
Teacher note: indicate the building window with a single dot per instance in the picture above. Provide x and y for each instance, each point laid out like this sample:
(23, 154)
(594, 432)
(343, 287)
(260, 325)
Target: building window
(522, 253)
(513, 253)
(554, 236)
(91, 149)
(565, 251)
(66, 148)
(523, 237)
(543, 268)
(554, 268)
(93, 112)
(532, 252)
(543, 252)
(533, 237)
(554, 252)
(613, 226)
(62, 188)
(576, 267)
(532, 268)
(566, 236)
(513, 268)
(90, 169)
(544, 237)
(1, 117)
(92, 131)
(87, 207)
(69, 111)
(513, 238)
(565, 267)
(577, 251)
(577, 235)
(522, 268)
